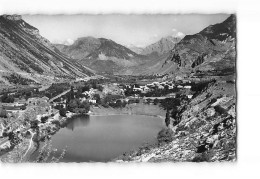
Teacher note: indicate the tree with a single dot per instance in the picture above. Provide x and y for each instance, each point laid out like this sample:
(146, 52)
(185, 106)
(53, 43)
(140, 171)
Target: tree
(167, 118)
(85, 105)
(71, 93)
(62, 112)
(170, 103)
(97, 98)
(73, 104)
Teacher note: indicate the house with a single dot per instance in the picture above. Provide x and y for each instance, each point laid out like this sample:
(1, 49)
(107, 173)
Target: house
(93, 101)
(160, 87)
(45, 98)
(170, 87)
(187, 87)
(189, 96)
(85, 93)
(137, 89)
(83, 99)
(172, 95)
(155, 83)
(20, 101)
(150, 85)
(145, 89)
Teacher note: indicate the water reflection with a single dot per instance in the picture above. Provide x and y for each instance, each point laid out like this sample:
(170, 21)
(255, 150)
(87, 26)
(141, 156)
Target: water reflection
(79, 121)
(105, 138)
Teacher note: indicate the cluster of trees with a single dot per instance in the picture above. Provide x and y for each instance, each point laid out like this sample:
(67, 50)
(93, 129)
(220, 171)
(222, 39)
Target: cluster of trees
(17, 79)
(55, 89)
(76, 106)
(118, 104)
(7, 98)
(95, 84)
(198, 87)
(113, 101)
(171, 106)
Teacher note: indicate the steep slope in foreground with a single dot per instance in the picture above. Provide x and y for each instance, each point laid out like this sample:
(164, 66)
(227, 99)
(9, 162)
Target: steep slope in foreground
(212, 49)
(206, 131)
(23, 50)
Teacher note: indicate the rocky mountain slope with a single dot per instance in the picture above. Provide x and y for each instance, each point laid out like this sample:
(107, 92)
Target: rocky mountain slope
(162, 46)
(203, 129)
(212, 49)
(25, 52)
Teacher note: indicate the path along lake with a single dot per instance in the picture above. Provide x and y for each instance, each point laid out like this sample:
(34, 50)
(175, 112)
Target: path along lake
(103, 138)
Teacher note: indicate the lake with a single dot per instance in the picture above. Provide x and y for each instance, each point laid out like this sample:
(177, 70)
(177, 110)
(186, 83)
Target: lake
(102, 138)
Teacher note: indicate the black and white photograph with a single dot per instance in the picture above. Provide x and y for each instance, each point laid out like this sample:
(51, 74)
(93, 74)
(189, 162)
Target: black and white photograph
(90, 88)
(118, 88)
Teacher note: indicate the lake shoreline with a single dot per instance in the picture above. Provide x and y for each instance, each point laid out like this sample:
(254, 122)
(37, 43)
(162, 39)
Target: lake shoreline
(131, 109)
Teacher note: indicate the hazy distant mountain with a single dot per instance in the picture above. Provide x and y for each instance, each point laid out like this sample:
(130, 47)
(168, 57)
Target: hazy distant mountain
(164, 45)
(102, 55)
(23, 50)
(212, 49)
(135, 49)
(80, 48)
(111, 57)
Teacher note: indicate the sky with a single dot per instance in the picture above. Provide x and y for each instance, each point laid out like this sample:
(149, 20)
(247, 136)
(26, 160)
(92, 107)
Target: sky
(137, 30)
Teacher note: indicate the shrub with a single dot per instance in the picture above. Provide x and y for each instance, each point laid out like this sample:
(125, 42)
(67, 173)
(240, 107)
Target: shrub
(56, 122)
(203, 157)
(44, 119)
(220, 110)
(165, 136)
(3, 113)
(156, 101)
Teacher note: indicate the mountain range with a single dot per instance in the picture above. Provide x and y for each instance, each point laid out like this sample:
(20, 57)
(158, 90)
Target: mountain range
(106, 56)
(26, 53)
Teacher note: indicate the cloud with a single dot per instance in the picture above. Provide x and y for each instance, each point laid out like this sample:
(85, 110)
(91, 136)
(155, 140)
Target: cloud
(180, 34)
(64, 42)
(68, 42)
(176, 33)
